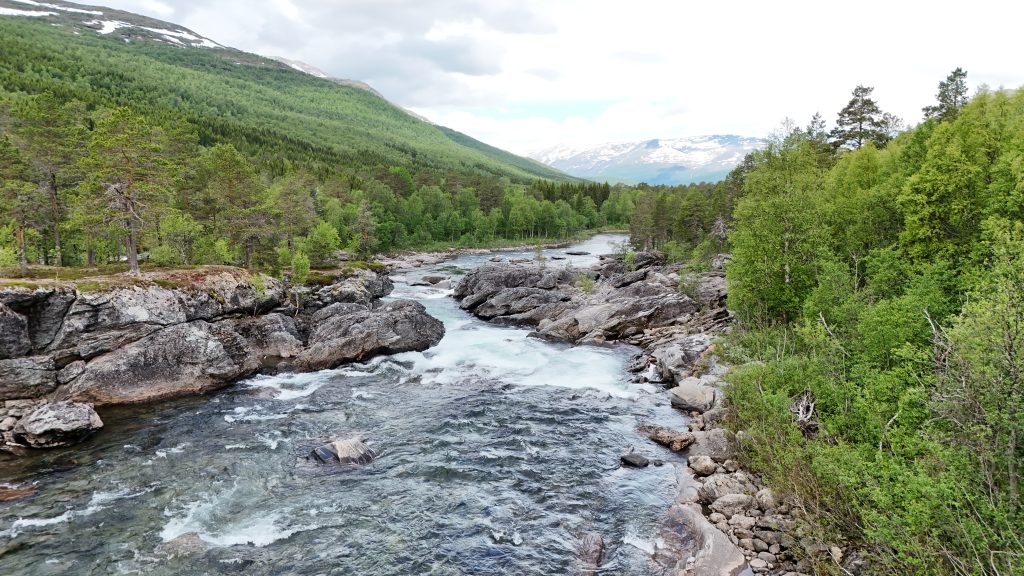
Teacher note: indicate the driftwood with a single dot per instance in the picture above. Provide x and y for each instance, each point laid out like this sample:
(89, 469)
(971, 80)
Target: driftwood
(803, 409)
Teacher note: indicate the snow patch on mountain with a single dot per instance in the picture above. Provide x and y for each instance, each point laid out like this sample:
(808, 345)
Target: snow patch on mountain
(56, 7)
(16, 12)
(659, 161)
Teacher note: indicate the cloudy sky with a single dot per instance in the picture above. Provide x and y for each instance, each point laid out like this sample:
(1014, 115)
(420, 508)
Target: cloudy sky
(526, 75)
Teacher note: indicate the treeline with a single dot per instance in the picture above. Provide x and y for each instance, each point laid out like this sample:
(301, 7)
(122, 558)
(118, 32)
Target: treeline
(81, 186)
(880, 287)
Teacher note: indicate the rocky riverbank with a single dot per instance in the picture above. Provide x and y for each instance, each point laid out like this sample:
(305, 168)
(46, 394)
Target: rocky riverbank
(123, 340)
(724, 521)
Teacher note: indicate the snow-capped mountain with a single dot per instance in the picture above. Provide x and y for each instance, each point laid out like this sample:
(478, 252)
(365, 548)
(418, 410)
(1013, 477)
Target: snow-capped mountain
(675, 161)
(102, 20)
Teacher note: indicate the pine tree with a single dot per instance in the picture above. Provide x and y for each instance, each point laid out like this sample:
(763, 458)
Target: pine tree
(20, 198)
(860, 121)
(53, 136)
(129, 175)
(951, 98)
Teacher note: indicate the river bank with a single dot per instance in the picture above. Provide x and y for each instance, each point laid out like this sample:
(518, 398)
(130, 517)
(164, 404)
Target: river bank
(68, 347)
(723, 520)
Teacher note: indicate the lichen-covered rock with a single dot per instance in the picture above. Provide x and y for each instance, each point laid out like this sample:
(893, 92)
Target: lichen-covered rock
(732, 504)
(57, 424)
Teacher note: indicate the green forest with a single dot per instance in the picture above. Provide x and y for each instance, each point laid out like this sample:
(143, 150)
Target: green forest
(877, 281)
(114, 151)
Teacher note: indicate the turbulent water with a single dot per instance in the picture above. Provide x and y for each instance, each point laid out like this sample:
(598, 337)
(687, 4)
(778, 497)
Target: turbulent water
(497, 451)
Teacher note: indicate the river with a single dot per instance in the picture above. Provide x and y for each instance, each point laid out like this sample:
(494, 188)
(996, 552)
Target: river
(497, 451)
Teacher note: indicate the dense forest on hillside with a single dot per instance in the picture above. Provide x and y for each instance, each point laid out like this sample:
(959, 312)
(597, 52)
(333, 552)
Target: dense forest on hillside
(82, 187)
(879, 285)
(110, 149)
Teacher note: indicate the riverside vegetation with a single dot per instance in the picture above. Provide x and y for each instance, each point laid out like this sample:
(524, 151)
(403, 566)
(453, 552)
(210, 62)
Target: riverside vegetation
(880, 343)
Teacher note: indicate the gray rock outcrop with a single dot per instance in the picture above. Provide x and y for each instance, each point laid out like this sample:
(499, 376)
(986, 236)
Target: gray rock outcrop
(120, 340)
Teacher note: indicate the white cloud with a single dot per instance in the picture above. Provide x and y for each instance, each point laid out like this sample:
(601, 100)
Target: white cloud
(527, 75)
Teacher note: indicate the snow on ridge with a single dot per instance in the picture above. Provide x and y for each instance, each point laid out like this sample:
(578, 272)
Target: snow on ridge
(56, 7)
(16, 12)
(174, 36)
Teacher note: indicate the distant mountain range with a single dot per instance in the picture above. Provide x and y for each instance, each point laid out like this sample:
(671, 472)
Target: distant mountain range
(675, 161)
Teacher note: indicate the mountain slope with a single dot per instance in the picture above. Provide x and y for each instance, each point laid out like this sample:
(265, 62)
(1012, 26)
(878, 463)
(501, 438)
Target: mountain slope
(265, 107)
(676, 161)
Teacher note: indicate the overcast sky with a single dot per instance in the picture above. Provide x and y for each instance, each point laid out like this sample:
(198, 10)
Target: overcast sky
(526, 75)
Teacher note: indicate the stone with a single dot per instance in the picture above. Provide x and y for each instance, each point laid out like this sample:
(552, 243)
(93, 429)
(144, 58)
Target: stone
(716, 517)
(434, 279)
(634, 460)
(696, 423)
(767, 557)
(765, 499)
(8, 423)
(758, 565)
(775, 549)
(742, 522)
(746, 544)
(731, 465)
(58, 424)
(761, 545)
(351, 450)
(671, 439)
(717, 443)
(702, 465)
(719, 485)
(732, 504)
(691, 395)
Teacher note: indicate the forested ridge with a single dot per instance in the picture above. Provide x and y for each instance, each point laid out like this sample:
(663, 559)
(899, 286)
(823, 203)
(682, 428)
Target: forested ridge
(878, 281)
(112, 148)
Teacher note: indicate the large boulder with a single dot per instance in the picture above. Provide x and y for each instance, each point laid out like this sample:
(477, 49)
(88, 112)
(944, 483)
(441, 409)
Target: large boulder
(691, 395)
(58, 424)
(675, 357)
(398, 326)
(717, 443)
(184, 359)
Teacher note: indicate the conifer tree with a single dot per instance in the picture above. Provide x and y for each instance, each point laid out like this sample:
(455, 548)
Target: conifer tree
(951, 98)
(860, 121)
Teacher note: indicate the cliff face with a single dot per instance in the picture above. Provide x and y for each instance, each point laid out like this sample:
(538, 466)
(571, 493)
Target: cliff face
(120, 341)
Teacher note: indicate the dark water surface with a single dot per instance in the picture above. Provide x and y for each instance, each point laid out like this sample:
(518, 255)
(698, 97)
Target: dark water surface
(496, 452)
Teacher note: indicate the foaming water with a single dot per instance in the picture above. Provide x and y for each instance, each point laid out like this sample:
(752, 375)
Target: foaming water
(496, 452)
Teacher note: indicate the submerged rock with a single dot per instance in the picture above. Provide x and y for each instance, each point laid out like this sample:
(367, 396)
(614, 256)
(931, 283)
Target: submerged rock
(591, 551)
(58, 424)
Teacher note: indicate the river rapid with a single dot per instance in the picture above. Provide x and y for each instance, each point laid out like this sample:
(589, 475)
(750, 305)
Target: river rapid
(496, 452)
